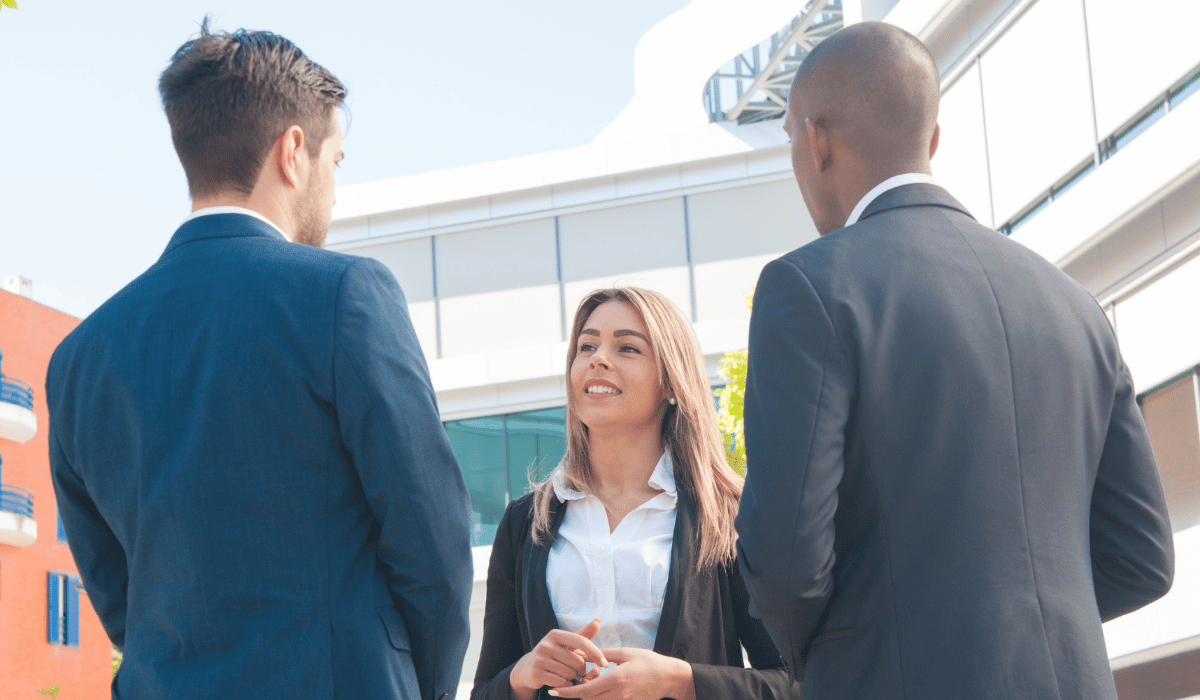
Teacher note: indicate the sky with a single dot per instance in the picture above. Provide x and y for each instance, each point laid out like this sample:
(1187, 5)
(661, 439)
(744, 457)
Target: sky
(91, 190)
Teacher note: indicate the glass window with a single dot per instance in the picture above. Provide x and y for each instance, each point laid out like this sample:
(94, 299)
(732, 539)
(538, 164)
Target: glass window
(536, 444)
(961, 159)
(1037, 104)
(499, 455)
(1130, 68)
(479, 446)
(63, 608)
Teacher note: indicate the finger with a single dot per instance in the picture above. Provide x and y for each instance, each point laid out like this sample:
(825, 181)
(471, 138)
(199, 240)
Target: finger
(568, 658)
(590, 689)
(567, 671)
(553, 674)
(590, 629)
(571, 640)
(618, 655)
(559, 645)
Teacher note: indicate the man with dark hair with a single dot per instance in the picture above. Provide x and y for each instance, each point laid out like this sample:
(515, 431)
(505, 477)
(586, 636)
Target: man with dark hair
(245, 444)
(950, 485)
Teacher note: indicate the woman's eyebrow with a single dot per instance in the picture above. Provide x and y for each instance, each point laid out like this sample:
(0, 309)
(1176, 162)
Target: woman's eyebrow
(629, 331)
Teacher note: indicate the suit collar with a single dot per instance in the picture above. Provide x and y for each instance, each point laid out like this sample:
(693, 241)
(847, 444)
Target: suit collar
(915, 195)
(221, 226)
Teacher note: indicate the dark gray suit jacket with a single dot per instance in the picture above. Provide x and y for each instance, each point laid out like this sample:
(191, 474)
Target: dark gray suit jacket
(950, 483)
(254, 479)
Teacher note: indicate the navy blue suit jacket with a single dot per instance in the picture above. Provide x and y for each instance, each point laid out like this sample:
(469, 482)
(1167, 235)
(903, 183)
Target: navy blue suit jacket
(949, 481)
(254, 479)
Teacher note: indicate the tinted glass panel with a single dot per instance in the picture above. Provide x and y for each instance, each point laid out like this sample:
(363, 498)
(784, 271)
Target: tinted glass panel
(536, 444)
(479, 446)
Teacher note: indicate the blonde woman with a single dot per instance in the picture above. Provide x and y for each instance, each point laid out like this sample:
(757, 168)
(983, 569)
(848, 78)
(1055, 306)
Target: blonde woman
(616, 578)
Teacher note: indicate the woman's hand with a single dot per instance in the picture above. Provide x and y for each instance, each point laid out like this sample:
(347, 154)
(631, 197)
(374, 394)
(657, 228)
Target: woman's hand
(640, 675)
(558, 660)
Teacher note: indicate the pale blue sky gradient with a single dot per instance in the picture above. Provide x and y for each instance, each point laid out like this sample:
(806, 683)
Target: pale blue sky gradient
(90, 189)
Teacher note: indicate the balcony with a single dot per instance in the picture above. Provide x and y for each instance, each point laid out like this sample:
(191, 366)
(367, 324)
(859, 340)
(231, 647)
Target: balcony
(17, 526)
(17, 420)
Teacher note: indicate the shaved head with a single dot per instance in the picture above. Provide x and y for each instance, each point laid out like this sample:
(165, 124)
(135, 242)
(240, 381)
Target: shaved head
(869, 95)
(878, 85)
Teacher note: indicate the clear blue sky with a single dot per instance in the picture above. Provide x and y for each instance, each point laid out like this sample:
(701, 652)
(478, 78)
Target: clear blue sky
(90, 189)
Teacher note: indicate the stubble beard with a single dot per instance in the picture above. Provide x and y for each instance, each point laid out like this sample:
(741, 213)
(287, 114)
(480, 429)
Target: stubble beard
(312, 224)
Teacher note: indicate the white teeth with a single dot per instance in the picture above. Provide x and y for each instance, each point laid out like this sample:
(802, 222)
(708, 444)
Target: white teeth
(597, 389)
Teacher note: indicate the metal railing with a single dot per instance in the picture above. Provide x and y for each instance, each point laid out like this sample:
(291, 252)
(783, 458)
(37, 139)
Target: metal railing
(16, 391)
(757, 81)
(16, 500)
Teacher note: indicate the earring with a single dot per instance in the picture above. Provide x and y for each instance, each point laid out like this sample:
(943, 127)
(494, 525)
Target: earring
(671, 401)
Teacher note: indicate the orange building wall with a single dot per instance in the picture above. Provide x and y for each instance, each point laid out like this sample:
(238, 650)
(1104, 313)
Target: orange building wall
(29, 332)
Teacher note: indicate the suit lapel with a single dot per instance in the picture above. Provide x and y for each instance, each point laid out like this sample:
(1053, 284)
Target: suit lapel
(539, 612)
(671, 635)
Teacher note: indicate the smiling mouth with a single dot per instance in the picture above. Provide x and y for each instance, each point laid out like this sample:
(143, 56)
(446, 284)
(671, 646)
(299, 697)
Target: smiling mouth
(598, 389)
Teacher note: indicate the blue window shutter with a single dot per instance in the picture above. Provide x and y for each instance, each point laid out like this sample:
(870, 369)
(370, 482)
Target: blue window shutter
(52, 608)
(72, 611)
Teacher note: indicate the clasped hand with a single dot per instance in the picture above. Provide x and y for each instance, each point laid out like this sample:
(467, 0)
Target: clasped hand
(560, 660)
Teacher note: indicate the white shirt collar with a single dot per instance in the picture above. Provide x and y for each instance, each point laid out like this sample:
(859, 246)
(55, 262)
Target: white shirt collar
(889, 184)
(662, 478)
(206, 211)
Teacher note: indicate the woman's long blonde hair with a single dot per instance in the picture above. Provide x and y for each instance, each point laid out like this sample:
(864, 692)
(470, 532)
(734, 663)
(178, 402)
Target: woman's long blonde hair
(689, 428)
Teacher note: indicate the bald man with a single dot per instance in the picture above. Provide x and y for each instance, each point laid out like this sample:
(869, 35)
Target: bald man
(950, 484)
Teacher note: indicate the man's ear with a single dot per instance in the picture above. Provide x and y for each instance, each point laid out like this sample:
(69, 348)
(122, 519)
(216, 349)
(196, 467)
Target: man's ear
(288, 150)
(933, 142)
(818, 143)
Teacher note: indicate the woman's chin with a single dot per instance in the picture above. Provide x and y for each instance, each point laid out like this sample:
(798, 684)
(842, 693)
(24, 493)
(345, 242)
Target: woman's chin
(613, 420)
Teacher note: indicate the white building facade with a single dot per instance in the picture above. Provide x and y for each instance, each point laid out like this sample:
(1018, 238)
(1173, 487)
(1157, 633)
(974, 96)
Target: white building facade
(1066, 124)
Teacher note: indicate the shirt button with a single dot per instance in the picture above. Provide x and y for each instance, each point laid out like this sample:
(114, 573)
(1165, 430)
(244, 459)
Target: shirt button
(603, 580)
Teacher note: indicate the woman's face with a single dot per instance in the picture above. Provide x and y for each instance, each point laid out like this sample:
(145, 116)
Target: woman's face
(614, 378)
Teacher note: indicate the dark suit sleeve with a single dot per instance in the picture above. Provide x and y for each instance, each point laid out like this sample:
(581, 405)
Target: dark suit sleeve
(388, 417)
(799, 387)
(1133, 557)
(502, 645)
(766, 679)
(100, 558)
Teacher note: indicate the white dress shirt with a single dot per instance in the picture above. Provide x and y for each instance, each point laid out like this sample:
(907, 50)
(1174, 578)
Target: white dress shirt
(889, 184)
(206, 211)
(619, 576)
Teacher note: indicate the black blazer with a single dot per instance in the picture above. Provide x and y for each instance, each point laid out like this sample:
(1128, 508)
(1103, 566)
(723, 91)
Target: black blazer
(704, 619)
(950, 484)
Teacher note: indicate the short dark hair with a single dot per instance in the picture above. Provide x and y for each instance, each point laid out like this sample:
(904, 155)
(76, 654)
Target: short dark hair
(229, 95)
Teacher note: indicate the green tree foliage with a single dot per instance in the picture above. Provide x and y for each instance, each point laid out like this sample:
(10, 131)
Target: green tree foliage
(52, 691)
(731, 400)
(117, 657)
(13, 5)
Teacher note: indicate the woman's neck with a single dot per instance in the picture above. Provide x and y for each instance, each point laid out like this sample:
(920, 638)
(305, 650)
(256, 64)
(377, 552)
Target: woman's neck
(623, 461)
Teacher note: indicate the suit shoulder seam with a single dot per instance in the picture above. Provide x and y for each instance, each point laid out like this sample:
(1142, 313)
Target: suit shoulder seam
(837, 336)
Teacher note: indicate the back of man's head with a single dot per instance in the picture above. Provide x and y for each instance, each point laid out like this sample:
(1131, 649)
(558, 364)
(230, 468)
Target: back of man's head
(229, 96)
(878, 86)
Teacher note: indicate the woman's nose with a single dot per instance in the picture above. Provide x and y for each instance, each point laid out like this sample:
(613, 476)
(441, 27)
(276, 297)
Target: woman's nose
(600, 359)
